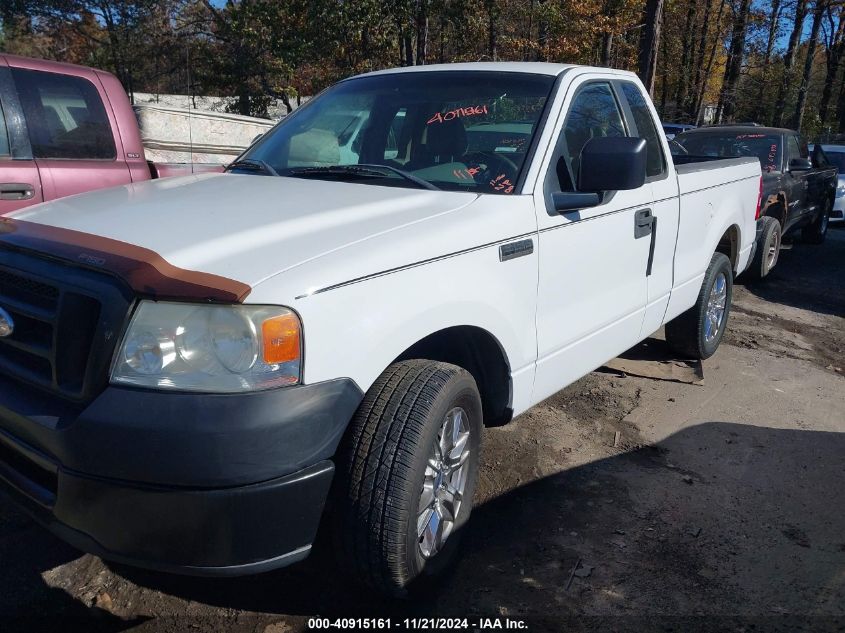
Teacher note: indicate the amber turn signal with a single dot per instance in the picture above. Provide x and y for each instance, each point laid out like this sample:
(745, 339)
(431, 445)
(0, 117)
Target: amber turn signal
(280, 336)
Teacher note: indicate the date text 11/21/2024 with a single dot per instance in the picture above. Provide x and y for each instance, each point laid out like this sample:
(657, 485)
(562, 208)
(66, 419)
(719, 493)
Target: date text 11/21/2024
(417, 624)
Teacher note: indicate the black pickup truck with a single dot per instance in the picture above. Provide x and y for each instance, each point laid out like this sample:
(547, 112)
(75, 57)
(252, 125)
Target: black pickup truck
(797, 193)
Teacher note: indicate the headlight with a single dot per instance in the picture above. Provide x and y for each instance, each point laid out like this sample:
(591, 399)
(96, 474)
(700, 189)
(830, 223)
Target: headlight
(840, 191)
(211, 348)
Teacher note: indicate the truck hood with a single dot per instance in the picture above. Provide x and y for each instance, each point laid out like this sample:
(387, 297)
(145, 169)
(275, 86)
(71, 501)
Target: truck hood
(245, 228)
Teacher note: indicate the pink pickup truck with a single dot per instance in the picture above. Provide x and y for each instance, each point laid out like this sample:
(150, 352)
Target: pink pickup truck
(66, 129)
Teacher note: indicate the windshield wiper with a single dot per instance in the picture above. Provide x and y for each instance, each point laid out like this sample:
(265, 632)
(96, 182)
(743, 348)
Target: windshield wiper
(253, 164)
(364, 169)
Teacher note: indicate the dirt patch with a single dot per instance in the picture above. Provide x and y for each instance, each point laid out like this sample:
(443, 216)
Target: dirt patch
(798, 311)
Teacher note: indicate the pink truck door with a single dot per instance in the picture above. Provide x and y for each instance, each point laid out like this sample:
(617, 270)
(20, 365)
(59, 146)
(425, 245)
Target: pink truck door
(71, 132)
(20, 185)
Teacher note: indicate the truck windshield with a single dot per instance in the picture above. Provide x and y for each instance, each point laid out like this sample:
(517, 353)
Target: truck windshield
(765, 147)
(453, 130)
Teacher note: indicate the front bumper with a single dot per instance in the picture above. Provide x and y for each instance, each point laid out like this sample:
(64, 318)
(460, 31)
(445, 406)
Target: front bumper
(186, 483)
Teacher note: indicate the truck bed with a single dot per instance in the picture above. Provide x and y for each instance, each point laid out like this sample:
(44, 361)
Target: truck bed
(696, 173)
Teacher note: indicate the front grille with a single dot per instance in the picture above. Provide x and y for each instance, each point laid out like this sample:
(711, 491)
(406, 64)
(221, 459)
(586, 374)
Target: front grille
(66, 321)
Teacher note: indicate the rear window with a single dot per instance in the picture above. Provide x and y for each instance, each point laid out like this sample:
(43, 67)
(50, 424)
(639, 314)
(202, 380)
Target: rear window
(765, 147)
(64, 115)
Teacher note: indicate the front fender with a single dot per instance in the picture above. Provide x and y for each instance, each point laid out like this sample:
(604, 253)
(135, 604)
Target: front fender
(357, 330)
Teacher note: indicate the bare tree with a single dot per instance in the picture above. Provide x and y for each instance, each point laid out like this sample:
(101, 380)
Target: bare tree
(702, 87)
(422, 31)
(733, 66)
(774, 23)
(789, 59)
(834, 49)
(650, 42)
(818, 12)
(686, 52)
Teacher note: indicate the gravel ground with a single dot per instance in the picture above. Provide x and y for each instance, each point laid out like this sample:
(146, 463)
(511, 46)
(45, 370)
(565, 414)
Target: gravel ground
(713, 506)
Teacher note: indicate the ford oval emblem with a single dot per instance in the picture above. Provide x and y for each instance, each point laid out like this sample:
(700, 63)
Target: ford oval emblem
(7, 325)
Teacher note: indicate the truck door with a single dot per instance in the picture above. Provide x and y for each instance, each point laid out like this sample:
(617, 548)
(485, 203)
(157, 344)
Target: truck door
(659, 269)
(797, 183)
(592, 283)
(70, 131)
(20, 184)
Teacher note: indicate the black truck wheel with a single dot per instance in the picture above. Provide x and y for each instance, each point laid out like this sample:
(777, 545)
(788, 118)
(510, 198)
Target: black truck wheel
(767, 248)
(697, 332)
(816, 232)
(404, 487)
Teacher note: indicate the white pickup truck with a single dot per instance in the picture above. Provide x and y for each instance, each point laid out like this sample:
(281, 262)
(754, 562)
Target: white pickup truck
(196, 373)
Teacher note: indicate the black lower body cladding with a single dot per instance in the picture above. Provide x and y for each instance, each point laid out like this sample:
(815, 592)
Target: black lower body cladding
(188, 483)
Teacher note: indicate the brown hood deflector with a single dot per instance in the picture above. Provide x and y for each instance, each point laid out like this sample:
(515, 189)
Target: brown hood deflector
(143, 270)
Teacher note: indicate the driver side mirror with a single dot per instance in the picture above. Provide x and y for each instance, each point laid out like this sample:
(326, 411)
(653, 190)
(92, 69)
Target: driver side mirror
(800, 164)
(607, 164)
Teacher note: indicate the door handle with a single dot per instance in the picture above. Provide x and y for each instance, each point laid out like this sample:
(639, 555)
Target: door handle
(16, 191)
(643, 220)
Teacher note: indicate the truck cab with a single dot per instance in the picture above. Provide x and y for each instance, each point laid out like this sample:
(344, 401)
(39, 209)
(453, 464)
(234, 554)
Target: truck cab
(68, 129)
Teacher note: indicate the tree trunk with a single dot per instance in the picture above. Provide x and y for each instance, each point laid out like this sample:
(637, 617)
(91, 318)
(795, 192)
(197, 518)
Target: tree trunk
(789, 60)
(492, 27)
(650, 42)
(774, 20)
(409, 50)
(606, 48)
(542, 34)
(442, 56)
(835, 49)
(840, 106)
(686, 45)
(733, 66)
(691, 111)
(422, 32)
(705, 80)
(818, 12)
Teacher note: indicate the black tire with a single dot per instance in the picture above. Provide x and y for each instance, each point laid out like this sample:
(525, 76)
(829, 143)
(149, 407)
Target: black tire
(769, 238)
(687, 333)
(380, 475)
(816, 232)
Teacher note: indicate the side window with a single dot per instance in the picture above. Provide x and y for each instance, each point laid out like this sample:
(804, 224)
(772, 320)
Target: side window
(655, 163)
(793, 149)
(65, 116)
(4, 136)
(593, 113)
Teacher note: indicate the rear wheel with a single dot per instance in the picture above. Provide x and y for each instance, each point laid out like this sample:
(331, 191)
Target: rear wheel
(817, 231)
(769, 236)
(404, 488)
(697, 332)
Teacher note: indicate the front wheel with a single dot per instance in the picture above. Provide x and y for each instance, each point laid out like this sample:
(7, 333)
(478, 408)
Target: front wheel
(405, 485)
(697, 332)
